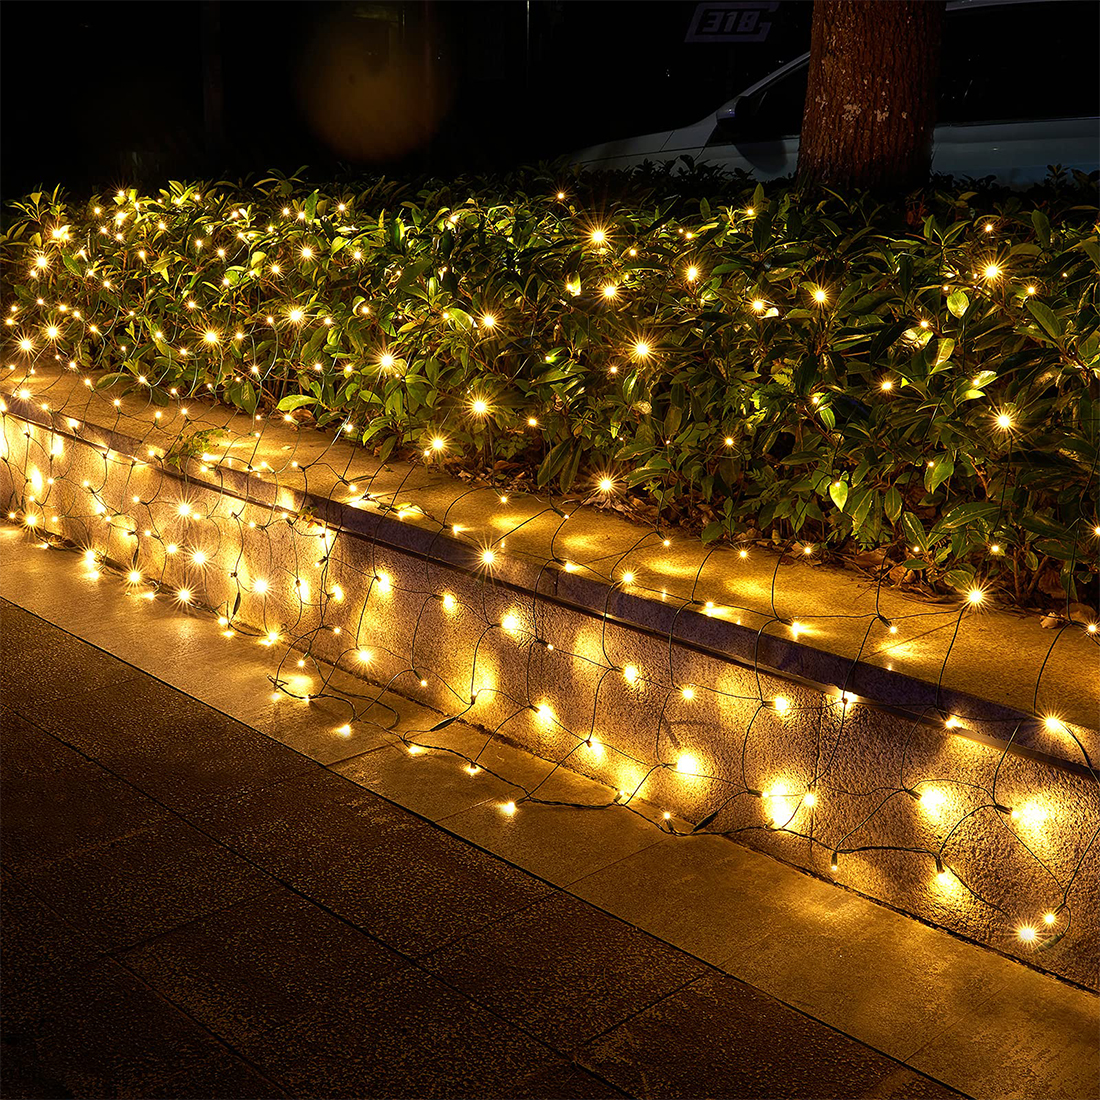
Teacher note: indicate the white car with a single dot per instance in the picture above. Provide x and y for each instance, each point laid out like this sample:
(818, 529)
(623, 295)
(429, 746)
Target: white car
(1017, 93)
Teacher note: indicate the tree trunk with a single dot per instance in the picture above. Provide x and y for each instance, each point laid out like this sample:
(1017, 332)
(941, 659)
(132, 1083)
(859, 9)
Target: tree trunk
(871, 95)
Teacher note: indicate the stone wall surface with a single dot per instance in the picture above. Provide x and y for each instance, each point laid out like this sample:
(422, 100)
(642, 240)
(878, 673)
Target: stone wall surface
(878, 783)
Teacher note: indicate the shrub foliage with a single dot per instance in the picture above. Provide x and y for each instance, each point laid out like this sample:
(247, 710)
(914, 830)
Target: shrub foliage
(768, 364)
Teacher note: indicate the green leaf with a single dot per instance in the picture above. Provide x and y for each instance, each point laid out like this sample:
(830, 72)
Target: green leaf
(957, 303)
(893, 504)
(296, 401)
(960, 579)
(838, 490)
(943, 466)
(1051, 324)
(914, 531)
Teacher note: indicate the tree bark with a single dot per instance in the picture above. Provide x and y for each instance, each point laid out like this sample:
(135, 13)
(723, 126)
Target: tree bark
(871, 93)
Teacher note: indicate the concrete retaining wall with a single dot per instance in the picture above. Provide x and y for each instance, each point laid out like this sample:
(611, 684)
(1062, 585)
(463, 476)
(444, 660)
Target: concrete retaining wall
(893, 794)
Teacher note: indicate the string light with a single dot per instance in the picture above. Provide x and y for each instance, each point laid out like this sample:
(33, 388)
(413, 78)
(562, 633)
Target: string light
(198, 517)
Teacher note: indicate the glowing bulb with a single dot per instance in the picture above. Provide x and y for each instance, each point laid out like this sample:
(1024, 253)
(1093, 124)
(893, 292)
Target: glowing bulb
(509, 808)
(545, 713)
(488, 557)
(641, 349)
(259, 586)
(687, 764)
(384, 582)
(449, 602)
(1050, 918)
(688, 693)
(184, 595)
(1027, 934)
(1054, 725)
(630, 674)
(364, 656)
(386, 361)
(606, 485)
(992, 271)
(759, 305)
(610, 291)
(134, 577)
(781, 704)
(809, 799)
(480, 407)
(692, 274)
(628, 578)
(975, 596)
(819, 295)
(438, 443)
(488, 320)
(296, 315)
(598, 236)
(211, 337)
(510, 623)
(198, 557)
(932, 798)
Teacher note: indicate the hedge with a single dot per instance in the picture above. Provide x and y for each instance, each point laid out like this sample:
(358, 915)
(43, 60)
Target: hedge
(912, 384)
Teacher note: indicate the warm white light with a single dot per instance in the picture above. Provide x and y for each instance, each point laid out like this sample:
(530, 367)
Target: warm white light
(510, 622)
(364, 656)
(1027, 934)
(488, 557)
(819, 295)
(975, 596)
(630, 674)
(641, 349)
(992, 271)
(598, 236)
(480, 407)
(449, 602)
(932, 798)
(688, 693)
(259, 586)
(687, 764)
(781, 704)
(386, 361)
(1004, 421)
(606, 485)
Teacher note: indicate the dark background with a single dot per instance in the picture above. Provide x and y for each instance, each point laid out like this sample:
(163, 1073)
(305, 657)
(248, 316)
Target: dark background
(100, 95)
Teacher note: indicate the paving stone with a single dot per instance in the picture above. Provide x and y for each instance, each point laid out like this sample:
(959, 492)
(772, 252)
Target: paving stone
(563, 970)
(145, 883)
(180, 751)
(224, 1077)
(1035, 1038)
(722, 1039)
(395, 876)
(565, 1080)
(702, 904)
(39, 952)
(39, 662)
(433, 783)
(259, 965)
(409, 1036)
(57, 803)
(107, 1035)
(558, 843)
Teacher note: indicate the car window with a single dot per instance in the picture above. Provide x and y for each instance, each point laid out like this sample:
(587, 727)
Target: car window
(776, 112)
(1020, 62)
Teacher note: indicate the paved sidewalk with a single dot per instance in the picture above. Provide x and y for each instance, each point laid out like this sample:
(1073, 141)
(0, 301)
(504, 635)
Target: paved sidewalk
(980, 1023)
(192, 909)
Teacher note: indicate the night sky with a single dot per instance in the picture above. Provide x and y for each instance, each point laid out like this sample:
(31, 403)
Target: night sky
(96, 95)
